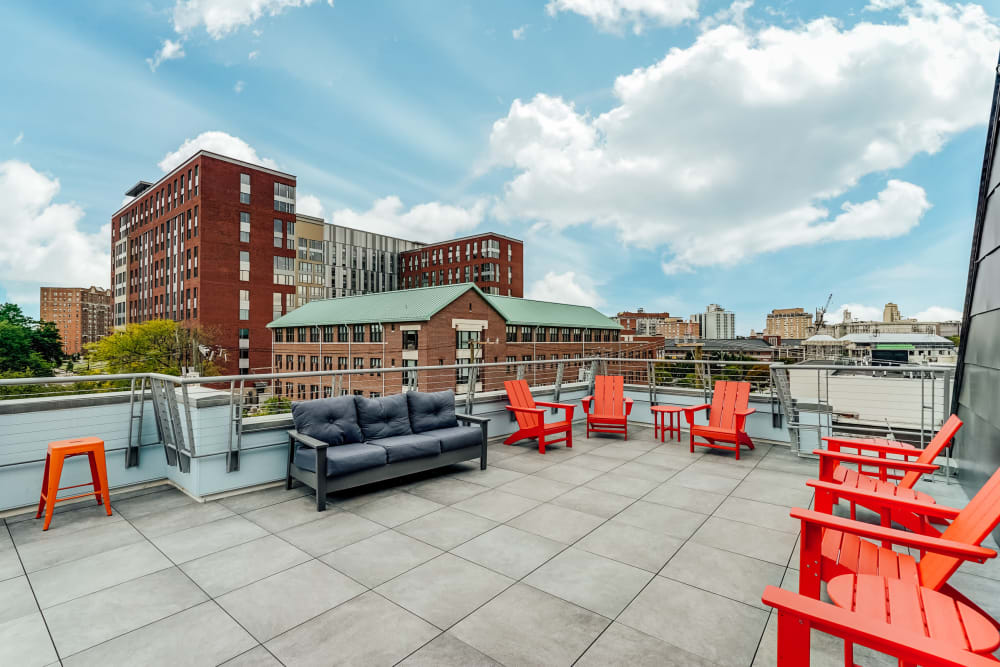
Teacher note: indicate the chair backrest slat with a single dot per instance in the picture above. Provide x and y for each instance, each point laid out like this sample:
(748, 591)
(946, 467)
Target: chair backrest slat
(933, 449)
(728, 397)
(971, 526)
(520, 397)
(609, 395)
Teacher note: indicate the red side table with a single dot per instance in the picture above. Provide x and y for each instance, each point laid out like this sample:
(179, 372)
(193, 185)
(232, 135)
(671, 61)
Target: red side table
(663, 421)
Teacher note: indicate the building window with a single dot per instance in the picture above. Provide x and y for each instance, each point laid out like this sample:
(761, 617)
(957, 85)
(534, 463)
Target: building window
(327, 363)
(375, 333)
(313, 334)
(277, 364)
(577, 336)
(244, 227)
(341, 363)
(526, 334)
(328, 334)
(465, 339)
(410, 340)
(342, 333)
(510, 360)
(314, 363)
(289, 362)
(244, 265)
(359, 333)
(279, 241)
(359, 362)
(314, 391)
(541, 334)
(244, 188)
(279, 335)
(511, 333)
(375, 362)
(301, 362)
(244, 304)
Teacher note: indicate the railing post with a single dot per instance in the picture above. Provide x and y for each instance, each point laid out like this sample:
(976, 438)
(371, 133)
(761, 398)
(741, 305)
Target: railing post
(470, 393)
(593, 377)
(558, 387)
(651, 382)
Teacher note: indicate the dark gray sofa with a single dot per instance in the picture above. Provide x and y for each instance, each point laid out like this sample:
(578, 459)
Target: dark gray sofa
(367, 440)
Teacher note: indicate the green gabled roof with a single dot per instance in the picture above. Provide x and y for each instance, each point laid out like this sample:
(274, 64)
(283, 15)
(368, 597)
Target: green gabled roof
(412, 305)
(530, 312)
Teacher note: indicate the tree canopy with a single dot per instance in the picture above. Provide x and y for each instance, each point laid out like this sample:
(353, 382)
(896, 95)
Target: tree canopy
(27, 346)
(156, 346)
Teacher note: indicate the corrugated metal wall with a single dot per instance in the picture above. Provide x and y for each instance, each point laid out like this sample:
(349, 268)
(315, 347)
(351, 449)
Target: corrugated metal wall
(977, 386)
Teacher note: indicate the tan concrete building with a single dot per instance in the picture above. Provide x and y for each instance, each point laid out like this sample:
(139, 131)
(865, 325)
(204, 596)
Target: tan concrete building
(891, 313)
(794, 323)
(310, 261)
(82, 314)
(678, 327)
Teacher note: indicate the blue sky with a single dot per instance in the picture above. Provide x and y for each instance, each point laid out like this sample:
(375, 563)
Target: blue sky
(758, 155)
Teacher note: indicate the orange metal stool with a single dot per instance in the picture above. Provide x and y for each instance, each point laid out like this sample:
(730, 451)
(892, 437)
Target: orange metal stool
(61, 450)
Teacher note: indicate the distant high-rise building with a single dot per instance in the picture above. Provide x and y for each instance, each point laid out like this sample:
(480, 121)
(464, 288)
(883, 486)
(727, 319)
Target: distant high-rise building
(891, 313)
(678, 327)
(716, 322)
(494, 262)
(360, 262)
(82, 314)
(641, 323)
(791, 323)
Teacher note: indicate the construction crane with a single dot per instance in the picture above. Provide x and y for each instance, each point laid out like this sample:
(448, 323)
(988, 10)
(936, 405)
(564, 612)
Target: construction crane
(821, 312)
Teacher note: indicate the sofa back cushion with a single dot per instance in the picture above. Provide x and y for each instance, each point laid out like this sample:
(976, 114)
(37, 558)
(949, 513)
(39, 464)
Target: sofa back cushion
(332, 420)
(429, 411)
(383, 417)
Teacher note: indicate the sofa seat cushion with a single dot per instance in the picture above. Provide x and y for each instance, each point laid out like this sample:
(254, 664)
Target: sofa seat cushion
(412, 446)
(431, 410)
(342, 459)
(383, 417)
(331, 420)
(457, 437)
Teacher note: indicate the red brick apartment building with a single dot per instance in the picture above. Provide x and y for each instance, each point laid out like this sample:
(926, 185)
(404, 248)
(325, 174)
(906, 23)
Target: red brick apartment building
(82, 314)
(495, 263)
(210, 244)
(450, 324)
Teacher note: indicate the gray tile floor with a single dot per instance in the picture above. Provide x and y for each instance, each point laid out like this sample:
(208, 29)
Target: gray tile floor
(609, 553)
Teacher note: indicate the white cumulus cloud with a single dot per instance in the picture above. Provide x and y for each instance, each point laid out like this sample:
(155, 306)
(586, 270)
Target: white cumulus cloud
(518, 33)
(238, 87)
(217, 142)
(221, 17)
(43, 241)
(308, 205)
(169, 50)
(428, 222)
(617, 15)
(738, 144)
(566, 287)
(938, 314)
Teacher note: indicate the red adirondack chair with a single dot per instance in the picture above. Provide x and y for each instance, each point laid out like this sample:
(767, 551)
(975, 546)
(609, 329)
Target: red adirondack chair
(531, 417)
(833, 468)
(906, 639)
(726, 418)
(831, 546)
(608, 415)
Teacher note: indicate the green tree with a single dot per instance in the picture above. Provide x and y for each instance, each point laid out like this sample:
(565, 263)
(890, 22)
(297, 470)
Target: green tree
(156, 346)
(274, 406)
(28, 347)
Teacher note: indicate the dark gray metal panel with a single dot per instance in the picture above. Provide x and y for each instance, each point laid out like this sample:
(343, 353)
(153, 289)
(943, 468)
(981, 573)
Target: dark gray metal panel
(983, 337)
(991, 223)
(986, 295)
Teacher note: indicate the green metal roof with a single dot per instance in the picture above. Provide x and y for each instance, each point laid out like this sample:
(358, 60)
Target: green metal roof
(412, 305)
(547, 313)
(894, 346)
(418, 305)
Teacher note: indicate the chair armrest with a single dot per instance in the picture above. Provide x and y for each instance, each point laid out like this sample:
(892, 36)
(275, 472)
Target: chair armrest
(628, 406)
(890, 502)
(307, 440)
(689, 412)
(562, 406)
(587, 400)
(834, 444)
(864, 630)
(877, 462)
(937, 545)
(472, 419)
(745, 413)
(534, 411)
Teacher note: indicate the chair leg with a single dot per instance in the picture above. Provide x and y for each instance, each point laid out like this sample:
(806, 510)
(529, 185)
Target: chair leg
(569, 436)
(102, 475)
(45, 485)
(95, 480)
(55, 472)
(541, 443)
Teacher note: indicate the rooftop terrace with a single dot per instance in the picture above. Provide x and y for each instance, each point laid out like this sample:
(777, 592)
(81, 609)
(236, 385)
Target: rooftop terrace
(607, 553)
(612, 552)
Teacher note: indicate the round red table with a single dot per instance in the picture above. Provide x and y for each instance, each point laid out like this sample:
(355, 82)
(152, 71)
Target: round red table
(908, 606)
(663, 421)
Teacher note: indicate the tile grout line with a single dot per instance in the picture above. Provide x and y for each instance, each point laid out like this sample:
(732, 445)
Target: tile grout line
(31, 587)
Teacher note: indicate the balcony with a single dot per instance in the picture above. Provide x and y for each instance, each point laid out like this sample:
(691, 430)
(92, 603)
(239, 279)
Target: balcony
(612, 552)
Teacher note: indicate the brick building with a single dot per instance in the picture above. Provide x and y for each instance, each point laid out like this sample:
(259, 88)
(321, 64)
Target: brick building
(495, 263)
(641, 323)
(450, 324)
(82, 314)
(678, 328)
(216, 228)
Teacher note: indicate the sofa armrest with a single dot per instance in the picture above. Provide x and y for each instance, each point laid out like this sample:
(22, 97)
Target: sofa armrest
(306, 440)
(472, 419)
(484, 425)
